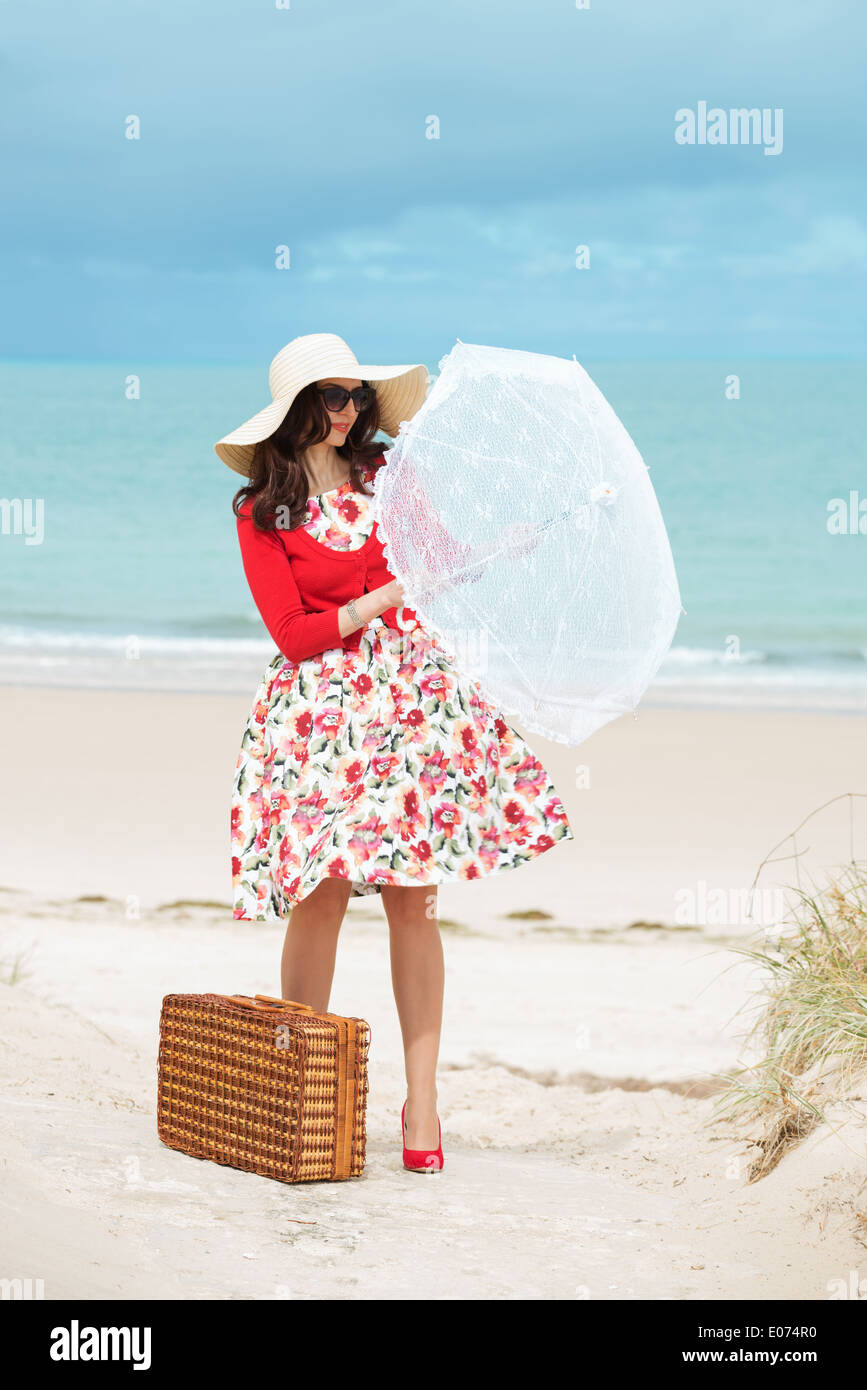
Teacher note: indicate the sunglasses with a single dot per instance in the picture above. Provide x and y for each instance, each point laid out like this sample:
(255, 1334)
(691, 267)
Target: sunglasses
(335, 397)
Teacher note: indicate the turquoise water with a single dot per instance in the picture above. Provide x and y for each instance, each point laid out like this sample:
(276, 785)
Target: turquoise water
(138, 579)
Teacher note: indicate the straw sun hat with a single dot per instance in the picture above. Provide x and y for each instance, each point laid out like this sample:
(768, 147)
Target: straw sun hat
(400, 391)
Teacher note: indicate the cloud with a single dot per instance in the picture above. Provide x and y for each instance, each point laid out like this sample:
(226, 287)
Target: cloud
(833, 245)
(555, 133)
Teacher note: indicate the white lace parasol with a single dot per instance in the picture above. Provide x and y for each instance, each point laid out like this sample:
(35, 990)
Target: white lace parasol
(520, 519)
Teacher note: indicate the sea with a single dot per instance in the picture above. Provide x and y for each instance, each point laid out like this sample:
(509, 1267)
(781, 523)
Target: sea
(135, 580)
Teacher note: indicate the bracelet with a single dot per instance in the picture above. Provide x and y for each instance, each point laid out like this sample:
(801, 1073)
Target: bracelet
(354, 614)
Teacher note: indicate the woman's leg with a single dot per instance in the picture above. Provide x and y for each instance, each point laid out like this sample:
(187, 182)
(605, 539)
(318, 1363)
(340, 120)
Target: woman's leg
(310, 948)
(417, 976)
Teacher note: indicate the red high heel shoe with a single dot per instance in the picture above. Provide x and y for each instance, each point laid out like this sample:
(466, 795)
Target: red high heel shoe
(422, 1160)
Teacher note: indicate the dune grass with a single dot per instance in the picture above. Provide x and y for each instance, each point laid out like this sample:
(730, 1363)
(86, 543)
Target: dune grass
(812, 1028)
(12, 968)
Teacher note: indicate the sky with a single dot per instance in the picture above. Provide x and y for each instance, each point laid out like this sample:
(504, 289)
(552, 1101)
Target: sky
(307, 127)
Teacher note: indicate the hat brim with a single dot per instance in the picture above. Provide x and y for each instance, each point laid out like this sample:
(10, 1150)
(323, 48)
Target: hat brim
(400, 392)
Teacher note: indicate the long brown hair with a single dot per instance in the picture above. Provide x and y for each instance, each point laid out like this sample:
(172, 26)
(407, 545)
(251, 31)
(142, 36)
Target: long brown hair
(277, 479)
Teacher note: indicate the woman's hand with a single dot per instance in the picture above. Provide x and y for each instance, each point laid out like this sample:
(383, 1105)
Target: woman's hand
(393, 594)
(522, 537)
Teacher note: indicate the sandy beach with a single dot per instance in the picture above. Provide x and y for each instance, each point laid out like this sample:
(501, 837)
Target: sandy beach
(589, 1012)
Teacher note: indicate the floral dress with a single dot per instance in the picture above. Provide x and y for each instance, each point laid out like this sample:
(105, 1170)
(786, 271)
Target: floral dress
(377, 767)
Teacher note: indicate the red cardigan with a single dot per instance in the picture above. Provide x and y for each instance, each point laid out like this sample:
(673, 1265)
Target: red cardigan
(298, 584)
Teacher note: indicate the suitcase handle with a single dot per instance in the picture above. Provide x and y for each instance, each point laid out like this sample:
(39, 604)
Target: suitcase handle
(266, 999)
(263, 1001)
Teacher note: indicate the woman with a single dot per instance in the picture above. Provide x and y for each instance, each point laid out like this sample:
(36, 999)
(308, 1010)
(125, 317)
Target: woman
(368, 764)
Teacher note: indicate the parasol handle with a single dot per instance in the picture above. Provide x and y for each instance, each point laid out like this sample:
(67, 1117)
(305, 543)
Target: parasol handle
(482, 559)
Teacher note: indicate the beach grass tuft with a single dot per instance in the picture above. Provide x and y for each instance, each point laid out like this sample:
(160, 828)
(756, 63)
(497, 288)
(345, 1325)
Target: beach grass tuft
(529, 914)
(812, 1027)
(450, 924)
(12, 970)
(208, 904)
(662, 926)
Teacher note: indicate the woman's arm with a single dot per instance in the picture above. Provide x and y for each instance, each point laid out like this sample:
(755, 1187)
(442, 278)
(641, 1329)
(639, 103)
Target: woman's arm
(297, 633)
(369, 605)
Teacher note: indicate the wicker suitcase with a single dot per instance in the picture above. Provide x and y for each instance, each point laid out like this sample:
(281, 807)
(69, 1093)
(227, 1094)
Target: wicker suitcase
(267, 1085)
